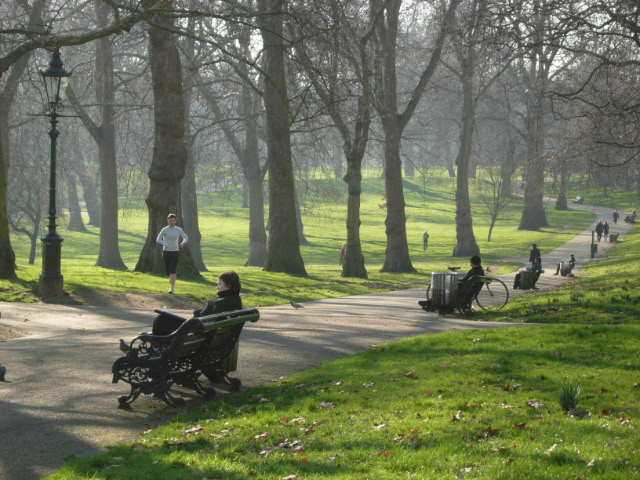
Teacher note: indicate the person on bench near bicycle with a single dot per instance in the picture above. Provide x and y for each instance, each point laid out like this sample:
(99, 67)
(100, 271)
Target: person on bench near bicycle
(463, 285)
(536, 268)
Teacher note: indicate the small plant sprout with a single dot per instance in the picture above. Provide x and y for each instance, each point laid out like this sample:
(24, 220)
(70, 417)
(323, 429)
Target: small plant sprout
(569, 396)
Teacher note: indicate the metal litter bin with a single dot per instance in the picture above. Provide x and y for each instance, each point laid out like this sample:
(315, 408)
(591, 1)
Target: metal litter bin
(444, 289)
(526, 279)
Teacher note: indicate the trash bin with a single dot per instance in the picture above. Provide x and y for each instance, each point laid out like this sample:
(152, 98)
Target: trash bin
(444, 289)
(526, 279)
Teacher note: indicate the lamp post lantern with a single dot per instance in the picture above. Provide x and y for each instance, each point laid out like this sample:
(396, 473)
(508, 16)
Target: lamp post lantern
(55, 79)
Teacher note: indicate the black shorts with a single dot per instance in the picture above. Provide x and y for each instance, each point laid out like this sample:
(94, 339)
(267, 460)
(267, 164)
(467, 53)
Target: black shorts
(170, 261)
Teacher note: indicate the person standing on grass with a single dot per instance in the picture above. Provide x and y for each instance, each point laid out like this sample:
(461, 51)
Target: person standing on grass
(169, 238)
(533, 254)
(343, 252)
(425, 241)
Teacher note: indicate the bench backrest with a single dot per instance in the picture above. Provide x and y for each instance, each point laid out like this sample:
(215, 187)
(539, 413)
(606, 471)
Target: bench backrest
(219, 330)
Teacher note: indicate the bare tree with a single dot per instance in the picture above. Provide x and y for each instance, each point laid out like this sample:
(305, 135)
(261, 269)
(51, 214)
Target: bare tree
(397, 253)
(169, 154)
(284, 249)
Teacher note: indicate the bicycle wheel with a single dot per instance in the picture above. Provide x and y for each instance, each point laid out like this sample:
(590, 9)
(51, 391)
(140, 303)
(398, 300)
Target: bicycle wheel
(493, 295)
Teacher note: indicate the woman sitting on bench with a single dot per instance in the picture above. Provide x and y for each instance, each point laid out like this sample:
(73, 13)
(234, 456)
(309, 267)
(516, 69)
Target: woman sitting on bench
(229, 292)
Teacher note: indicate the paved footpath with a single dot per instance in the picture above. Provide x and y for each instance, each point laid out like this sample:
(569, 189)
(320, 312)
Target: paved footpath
(58, 399)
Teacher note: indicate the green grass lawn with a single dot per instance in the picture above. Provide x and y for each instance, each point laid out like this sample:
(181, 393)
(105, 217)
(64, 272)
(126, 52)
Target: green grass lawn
(471, 404)
(224, 228)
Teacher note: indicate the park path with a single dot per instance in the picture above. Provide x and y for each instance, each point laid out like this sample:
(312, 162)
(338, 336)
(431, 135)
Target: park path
(58, 398)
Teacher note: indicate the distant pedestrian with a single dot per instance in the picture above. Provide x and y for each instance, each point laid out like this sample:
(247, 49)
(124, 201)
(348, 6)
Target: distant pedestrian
(169, 238)
(425, 241)
(535, 253)
(343, 251)
(616, 216)
(599, 229)
(605, 230)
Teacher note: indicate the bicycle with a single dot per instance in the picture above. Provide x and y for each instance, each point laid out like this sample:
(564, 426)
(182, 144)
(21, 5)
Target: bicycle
(488, 293)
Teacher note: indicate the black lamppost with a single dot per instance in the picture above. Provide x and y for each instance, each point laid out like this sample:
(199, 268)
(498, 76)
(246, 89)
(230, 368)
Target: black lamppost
(55, 79)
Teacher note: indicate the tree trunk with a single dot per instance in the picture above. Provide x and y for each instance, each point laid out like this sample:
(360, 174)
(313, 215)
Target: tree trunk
(188, 187)
(561, 201)
(75, 213)
(301, 238)
(465, 239)
(109, 253)
(7, 96)
(169, 153)
(7, 255)
(353, 262)
(409, 168)
(284, 249)
(397, 252)
(245, 194)
(533, 214)
(89, 190)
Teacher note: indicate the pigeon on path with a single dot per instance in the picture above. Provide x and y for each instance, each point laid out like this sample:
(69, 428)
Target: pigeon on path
(296, 305)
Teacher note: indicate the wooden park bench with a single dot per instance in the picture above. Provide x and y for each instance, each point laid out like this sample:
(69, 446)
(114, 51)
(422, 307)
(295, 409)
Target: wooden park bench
(201, 346)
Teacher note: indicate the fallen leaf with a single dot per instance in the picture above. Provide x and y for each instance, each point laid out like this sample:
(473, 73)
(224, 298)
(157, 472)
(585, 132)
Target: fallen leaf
(604, 411)
(552, 448)
(297, 420)
(304, 460)
(476, 405)
(283, 420)
(398, 439)
(367, 385)
(636, 385)
(519, 426)
(445, 364)
(592, 463)
(290, 477)
(384, 453)
(300, 451)
(381, 426)
(326, 405)
(262, 436)
(193, 430)
(456, 417)
(624, 420)
(506, 387)
(516, 386)
(536, 404)
(410, 374)
(489, 432)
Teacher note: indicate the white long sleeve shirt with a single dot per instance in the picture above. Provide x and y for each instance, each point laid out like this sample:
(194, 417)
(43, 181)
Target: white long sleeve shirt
(169, 238)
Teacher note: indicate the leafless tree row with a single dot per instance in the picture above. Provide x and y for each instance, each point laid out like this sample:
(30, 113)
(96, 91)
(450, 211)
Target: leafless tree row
(180, 96)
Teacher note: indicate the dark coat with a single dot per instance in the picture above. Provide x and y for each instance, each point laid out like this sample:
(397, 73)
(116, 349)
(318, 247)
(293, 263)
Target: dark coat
(166, 324)
(227, 302)
(535, 253)
(473, 272)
